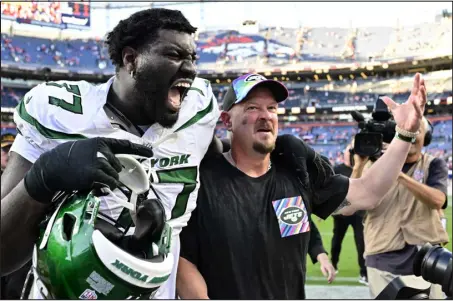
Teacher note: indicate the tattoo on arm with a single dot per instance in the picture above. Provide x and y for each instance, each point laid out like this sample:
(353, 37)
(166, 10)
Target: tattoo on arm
(343, 204)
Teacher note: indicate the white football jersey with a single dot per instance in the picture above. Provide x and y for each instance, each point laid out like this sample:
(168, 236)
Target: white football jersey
(57, 112)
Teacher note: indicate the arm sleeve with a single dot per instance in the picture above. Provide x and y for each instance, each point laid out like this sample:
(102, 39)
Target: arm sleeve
(438, 177)
(315, 246)
(189, 239)
(32, 139)
(329, 189)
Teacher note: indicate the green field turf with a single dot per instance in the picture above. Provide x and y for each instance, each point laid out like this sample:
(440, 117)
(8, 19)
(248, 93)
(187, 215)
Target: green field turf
(348, 266)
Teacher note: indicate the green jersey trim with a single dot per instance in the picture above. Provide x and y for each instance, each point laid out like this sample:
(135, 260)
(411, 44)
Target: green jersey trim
(198, 116)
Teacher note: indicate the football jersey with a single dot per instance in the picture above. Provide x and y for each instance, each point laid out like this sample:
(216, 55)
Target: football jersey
(57, 112)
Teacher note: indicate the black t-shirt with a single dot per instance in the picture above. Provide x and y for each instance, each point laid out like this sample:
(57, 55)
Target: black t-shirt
(234, 234)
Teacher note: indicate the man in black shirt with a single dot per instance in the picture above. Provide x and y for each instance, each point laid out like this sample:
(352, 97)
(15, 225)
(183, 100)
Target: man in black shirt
(248, 237)
(341, 223)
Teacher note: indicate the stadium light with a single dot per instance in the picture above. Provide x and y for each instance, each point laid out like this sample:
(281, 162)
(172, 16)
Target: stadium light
(295, 110)
(385, 65)
(310, 110)
(281, 111)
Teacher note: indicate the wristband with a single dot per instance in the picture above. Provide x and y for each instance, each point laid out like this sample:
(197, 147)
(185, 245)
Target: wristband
(405, 138)
(406, 133)
(36, 188)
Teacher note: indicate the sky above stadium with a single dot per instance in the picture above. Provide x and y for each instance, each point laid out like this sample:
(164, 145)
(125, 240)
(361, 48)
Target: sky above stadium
(215, 15)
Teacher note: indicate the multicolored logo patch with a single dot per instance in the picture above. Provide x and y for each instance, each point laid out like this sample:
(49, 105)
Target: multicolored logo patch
(88, 295)
(292, 216)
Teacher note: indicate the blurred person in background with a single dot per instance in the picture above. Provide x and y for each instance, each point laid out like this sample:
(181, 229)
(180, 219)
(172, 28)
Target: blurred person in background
(6, 142)
(351, 167)
(410, 215)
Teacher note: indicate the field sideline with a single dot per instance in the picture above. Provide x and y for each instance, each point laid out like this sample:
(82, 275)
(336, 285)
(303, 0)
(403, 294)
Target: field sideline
(348, 266)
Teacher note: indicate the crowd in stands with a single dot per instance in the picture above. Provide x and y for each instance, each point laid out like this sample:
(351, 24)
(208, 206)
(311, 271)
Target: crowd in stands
(268, 46)
(88, 54)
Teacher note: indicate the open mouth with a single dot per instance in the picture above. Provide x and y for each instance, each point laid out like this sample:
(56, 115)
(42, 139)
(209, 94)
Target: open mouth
(264, 130)
(177, 93)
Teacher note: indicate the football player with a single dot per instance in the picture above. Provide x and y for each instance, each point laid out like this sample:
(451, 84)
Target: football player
(154, 100)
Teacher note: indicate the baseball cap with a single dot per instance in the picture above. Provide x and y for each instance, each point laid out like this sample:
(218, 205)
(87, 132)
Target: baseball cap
(7, 140)
(241, 87)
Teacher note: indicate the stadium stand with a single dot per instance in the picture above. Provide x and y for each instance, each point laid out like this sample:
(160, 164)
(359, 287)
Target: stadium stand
(274, 46)
(233, 47)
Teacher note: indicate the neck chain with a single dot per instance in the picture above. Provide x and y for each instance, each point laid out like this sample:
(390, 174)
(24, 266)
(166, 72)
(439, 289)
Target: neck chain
(229, 157)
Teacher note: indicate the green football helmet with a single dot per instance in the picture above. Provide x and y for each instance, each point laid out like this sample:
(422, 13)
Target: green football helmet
(73, 259)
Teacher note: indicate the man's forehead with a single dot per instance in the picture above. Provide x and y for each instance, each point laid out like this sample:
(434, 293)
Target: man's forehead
(169, 37)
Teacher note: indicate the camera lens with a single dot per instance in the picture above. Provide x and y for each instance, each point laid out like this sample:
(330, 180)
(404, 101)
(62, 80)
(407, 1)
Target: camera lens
(434, 264)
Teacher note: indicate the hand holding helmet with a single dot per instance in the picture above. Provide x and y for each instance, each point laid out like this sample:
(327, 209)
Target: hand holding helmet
(79, 165)
(76, 259)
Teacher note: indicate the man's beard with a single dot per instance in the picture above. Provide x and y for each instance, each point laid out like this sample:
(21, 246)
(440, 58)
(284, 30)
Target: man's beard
(263, 148)
(151, 91)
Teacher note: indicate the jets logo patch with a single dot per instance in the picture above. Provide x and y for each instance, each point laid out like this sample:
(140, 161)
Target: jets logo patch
(254, 77)
(292, 216)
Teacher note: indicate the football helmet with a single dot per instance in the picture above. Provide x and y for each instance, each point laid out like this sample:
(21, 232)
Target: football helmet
(74, 259)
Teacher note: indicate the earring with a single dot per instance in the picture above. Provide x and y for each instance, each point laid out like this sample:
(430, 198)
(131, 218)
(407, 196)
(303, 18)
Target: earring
(132, 73)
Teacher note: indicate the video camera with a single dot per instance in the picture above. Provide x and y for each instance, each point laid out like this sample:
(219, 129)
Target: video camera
(381, 128)
(433, 264)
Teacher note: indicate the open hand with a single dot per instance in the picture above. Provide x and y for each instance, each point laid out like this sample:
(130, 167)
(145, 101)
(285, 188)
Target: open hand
(408, 115)
(327, 268)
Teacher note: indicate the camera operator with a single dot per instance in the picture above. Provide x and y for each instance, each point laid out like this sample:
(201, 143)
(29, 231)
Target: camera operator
(407, 217)
(352, 167)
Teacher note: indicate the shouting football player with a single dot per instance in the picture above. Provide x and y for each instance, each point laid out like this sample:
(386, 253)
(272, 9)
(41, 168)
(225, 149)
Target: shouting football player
(154, 107)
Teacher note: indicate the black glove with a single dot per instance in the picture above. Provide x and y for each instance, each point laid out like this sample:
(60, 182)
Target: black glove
(312, 169)
(149, 224)
(293, 153)
(79, 165)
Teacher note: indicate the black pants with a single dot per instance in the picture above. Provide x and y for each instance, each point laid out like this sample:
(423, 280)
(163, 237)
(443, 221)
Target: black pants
(340, 226)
